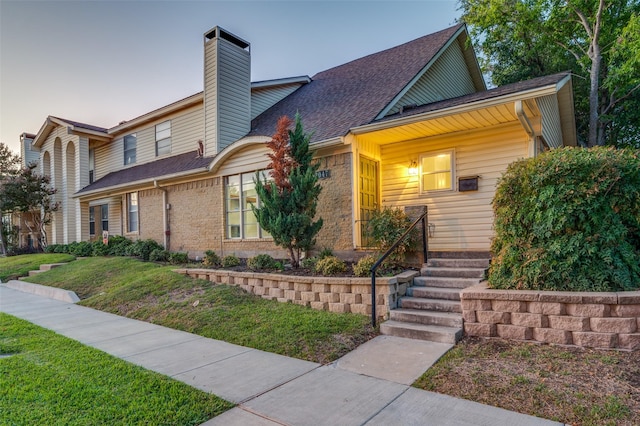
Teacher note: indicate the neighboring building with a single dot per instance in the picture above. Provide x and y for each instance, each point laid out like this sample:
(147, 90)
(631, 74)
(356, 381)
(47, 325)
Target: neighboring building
(410, 126)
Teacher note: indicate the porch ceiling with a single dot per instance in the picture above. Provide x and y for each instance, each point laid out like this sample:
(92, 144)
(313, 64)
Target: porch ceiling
(444, 124)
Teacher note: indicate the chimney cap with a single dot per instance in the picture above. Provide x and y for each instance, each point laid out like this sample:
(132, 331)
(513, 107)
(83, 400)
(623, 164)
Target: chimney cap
(219, 32)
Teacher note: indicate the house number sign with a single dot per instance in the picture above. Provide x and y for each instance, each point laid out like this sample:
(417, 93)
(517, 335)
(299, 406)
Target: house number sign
(323, 174)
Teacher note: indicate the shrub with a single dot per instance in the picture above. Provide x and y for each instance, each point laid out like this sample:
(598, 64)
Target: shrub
(119, 245)
(51, 248)
(159, 255)
(230, 261)
(178, 258)
(569, 220)
(99, 249)
(330, 265)
(81, 249)
(363, 267)
(386, 226)
(325, 252)
(211, 259)
(309, 262)
(262, 262)
(143, 248)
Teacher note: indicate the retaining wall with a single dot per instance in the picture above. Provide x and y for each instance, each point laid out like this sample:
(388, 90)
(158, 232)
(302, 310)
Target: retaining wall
(595, 320)
(334, 294)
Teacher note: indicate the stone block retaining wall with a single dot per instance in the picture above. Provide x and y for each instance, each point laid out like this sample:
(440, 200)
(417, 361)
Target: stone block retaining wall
(595, 320)
(334, 294)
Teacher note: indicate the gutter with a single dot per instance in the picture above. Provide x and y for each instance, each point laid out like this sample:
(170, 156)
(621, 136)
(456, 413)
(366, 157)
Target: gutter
(165, 215)
(524, 120)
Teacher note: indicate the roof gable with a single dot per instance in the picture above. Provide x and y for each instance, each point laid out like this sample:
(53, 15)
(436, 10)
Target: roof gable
(354, 93)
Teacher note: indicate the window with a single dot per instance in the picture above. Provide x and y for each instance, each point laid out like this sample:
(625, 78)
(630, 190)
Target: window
(104, 214)
(103, 211)
(132, 212)
(130, 142)
(163, 138)
(92, 221)
(239, 195)
(92, 164)
(437, 171)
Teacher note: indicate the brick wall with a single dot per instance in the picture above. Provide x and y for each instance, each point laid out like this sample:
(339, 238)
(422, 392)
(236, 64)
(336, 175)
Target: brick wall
(334, 294)
(595, 320)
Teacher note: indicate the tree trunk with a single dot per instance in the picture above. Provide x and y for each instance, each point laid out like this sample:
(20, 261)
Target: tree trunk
(596, 58)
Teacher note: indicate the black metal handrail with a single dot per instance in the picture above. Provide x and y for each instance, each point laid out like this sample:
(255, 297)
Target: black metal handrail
(425, 248)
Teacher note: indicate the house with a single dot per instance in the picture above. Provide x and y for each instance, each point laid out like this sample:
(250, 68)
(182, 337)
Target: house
(413, 126)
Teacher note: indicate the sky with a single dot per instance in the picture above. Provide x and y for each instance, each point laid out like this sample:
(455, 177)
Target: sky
(102, 62)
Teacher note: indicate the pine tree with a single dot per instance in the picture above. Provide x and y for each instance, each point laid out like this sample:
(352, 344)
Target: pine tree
(288, 204)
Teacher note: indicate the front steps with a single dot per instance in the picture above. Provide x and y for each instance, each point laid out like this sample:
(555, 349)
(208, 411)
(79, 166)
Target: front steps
(431, 309)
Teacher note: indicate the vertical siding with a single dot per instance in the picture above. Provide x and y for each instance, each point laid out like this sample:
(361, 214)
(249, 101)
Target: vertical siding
(227, 93)
(551, 128)
(447, 78)
(463, 220)
(263, 99)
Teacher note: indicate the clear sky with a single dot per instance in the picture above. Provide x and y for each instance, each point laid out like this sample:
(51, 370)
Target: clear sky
(104, 62)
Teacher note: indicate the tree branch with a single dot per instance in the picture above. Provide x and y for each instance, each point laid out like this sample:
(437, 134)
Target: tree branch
(626, 95)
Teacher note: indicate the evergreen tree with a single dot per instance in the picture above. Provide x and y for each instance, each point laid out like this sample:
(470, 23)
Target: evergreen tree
(289, 201)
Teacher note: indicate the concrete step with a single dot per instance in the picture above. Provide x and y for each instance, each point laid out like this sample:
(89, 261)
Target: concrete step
(453, 272)
(36, 272)
(458, 263)
(434, 293)
(446, 319)
(445, 282)
(430, 304)
(50, 266)
(434, 333)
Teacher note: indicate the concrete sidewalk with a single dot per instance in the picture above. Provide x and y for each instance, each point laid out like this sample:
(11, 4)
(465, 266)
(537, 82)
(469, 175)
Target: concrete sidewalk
(367, 386)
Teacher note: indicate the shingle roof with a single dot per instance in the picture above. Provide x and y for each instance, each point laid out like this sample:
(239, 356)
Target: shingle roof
(353, 94)
(507, 89)
(82, 125)
(188, 161)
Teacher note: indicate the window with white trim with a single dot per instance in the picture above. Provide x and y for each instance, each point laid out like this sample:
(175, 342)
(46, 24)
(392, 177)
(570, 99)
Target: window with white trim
(437, 171)
(163, 138)
(240, 194)
(132, 212)
(130, 142)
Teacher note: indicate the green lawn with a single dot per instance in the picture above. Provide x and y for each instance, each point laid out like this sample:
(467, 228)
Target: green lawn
(153, 293)
(51, 380)
(13, 267)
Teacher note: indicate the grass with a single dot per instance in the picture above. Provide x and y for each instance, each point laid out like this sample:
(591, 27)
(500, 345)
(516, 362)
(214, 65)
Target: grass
(567, 384)
(153, 293)
(50, 379)
(13, 267)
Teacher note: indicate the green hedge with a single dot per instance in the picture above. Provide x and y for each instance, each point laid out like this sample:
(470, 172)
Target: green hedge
(569, 220)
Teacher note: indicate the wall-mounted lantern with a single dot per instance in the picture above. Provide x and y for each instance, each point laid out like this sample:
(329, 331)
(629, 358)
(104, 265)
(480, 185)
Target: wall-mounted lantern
(413, 168)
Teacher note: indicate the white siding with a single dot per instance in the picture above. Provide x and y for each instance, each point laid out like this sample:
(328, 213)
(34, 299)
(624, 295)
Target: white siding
(463, 220)
(263, 99)
(447, 78)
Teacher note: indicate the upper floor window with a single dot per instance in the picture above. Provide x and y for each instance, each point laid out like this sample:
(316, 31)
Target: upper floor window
(240, 194)
(437, 171)
(163, 138)
(130, 142)
(92, 164)
(132, 212)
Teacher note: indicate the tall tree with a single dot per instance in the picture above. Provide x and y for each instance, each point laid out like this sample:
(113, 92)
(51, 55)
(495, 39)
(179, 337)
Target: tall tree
(30, 194)
(9, 166)
(596, 39)
(289, 201)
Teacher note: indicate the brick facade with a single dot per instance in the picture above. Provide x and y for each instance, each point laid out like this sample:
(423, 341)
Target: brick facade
(596, 320)
(197, 217)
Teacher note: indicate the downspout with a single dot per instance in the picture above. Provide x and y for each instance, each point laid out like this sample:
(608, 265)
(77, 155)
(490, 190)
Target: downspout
(165, 215)
(528, 128)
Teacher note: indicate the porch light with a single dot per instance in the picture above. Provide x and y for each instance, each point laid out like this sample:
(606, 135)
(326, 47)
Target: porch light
(432, 229)
(413, 168)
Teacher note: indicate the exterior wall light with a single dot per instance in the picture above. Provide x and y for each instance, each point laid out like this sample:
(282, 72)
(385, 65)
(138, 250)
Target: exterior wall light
(413, 168)
(432, 229)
